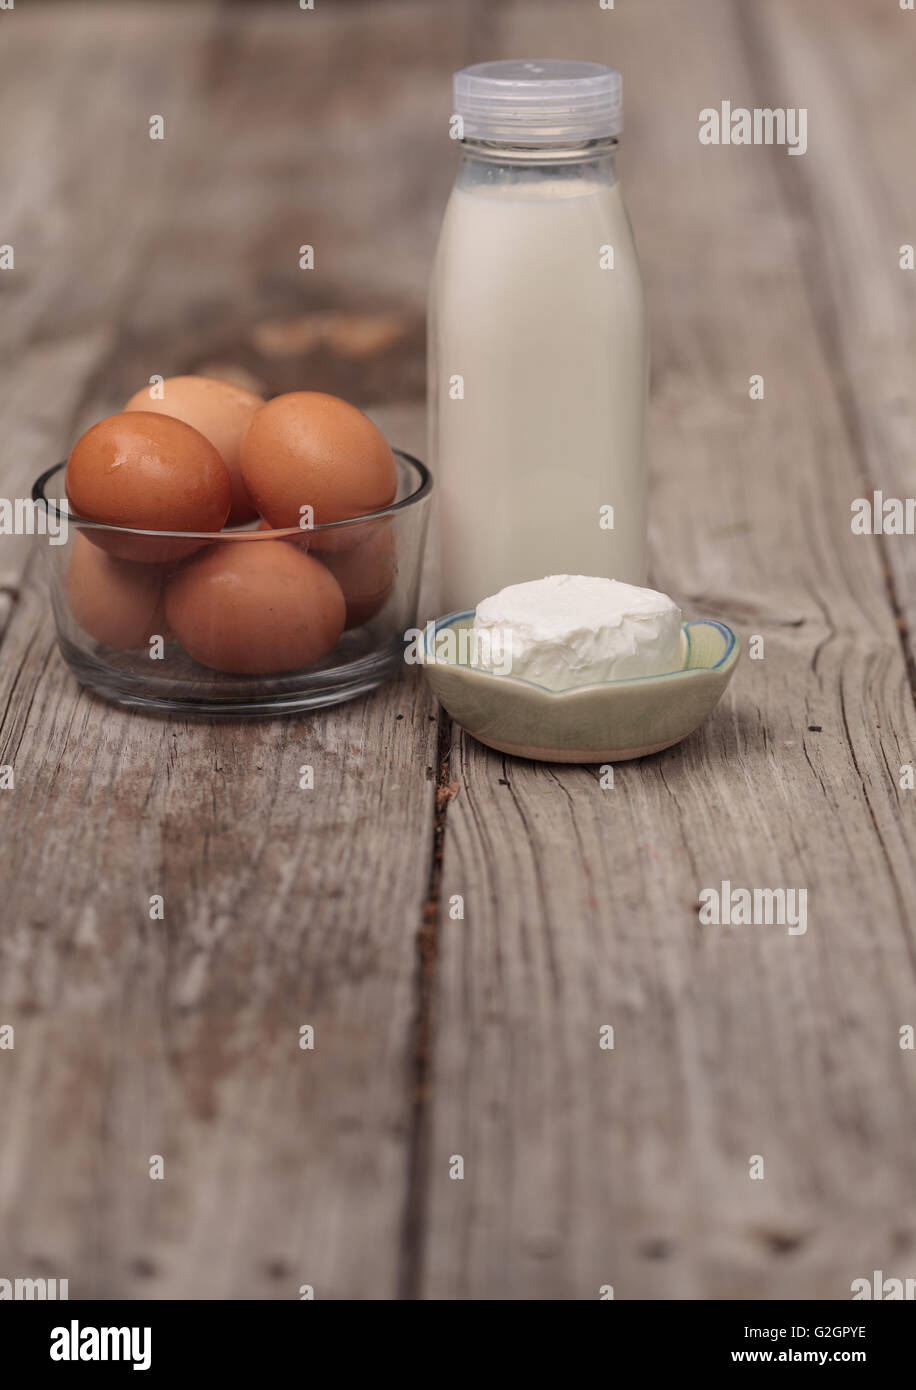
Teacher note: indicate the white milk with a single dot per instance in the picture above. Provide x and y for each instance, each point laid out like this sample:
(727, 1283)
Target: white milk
(552, 352)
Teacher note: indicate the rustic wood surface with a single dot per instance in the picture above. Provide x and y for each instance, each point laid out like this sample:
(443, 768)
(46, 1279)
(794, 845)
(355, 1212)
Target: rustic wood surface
(477, 1036)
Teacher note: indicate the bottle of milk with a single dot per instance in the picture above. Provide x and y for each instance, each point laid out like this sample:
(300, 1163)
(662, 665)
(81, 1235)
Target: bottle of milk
(538, 352)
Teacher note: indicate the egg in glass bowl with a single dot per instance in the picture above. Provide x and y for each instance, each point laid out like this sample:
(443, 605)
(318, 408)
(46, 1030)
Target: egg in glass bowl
(164, 599)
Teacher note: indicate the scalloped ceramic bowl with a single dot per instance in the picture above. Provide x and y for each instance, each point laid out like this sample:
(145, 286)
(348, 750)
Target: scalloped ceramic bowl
(603, 723)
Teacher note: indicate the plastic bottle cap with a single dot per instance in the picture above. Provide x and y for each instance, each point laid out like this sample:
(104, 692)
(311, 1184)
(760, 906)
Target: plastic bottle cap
(546, 101)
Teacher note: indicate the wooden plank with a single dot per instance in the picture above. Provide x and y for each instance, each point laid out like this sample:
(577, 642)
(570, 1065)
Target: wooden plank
(630, 1167)
(275, 152)
(854, 62)
(283, 906)
(83, 193)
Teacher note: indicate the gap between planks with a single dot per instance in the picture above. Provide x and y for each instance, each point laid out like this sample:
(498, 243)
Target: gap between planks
(410, 1276)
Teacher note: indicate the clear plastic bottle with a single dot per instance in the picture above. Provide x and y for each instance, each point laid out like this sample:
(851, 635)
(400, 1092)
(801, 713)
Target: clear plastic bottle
(538, 346)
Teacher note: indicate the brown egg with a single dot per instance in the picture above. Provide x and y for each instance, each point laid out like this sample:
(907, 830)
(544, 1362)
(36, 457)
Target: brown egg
(152, 472)
(221, 412)
(309, 449)
(365, 571)
(255, 607)
(116, 601)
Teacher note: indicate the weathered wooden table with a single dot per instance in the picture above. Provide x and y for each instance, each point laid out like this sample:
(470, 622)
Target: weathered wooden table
(437, 1037)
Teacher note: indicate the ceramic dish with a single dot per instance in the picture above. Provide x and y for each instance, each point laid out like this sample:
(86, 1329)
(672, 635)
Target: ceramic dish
(604, 723)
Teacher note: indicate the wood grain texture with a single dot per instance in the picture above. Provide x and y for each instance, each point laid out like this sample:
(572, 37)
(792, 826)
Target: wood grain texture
(858, 207)
(82, 192)
(477, 1036)
(283, 907)
(180, 1037)
(630, 1167)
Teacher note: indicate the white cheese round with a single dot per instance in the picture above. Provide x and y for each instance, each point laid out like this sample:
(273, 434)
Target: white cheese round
(570, 629)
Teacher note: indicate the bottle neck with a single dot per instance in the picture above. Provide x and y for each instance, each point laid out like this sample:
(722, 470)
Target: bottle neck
(578, 152)
(505, 168)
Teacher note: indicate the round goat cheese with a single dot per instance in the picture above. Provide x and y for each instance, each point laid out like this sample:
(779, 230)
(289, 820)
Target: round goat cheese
(572, 629)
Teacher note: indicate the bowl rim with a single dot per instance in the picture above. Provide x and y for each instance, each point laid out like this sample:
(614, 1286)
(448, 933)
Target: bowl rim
(236, 533)
(732, 648)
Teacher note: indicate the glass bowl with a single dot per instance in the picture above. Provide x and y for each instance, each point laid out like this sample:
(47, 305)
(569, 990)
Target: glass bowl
(112, 612)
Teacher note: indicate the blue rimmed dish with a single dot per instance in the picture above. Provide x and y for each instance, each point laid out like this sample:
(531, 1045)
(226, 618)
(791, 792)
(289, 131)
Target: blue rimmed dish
(603, 723)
